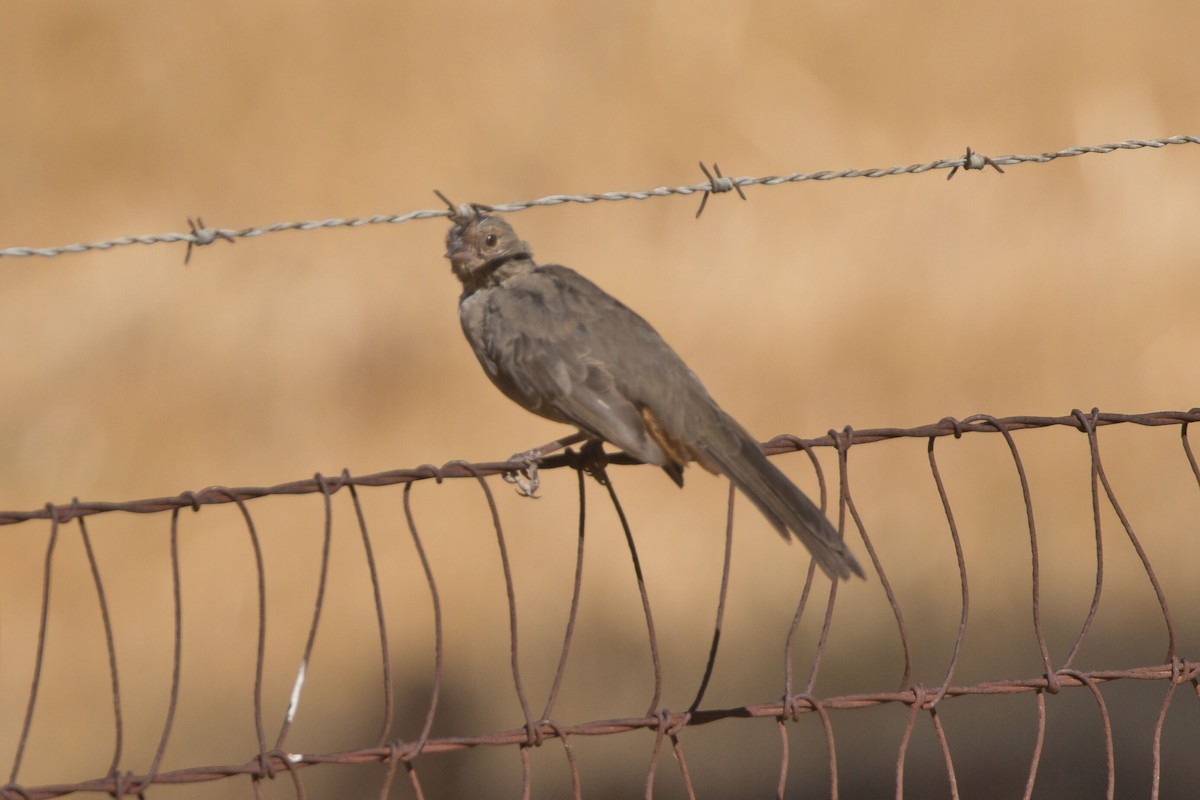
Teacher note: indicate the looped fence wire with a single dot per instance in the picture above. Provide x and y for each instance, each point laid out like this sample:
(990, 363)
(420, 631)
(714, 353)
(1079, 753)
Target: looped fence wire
(796, 701)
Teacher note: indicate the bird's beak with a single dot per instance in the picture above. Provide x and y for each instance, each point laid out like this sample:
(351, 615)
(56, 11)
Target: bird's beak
(454, 245)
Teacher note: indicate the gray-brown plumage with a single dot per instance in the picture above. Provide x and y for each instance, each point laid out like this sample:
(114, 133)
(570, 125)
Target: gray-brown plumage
(561, 347)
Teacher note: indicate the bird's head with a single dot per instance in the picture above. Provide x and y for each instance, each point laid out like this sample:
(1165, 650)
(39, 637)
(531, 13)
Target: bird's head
(479, 243)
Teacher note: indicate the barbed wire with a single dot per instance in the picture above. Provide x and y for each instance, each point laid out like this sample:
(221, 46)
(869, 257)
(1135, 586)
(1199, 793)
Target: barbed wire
(273, 757)
(199, 235)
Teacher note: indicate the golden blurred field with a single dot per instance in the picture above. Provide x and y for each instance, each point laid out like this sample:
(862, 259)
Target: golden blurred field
(890, 302)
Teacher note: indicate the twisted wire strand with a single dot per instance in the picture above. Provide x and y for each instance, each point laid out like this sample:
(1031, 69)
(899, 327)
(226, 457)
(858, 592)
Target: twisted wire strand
(200, 235)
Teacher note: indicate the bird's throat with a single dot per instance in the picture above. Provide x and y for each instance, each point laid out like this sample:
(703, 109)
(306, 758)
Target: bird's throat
(496, 271)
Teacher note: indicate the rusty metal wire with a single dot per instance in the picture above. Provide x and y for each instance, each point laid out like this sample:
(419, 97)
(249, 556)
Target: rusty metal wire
(216, 495)
(199, 235)
(272, 757)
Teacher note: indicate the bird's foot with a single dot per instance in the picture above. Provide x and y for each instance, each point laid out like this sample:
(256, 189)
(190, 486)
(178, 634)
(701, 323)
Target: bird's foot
(526, 478)
(593, 461)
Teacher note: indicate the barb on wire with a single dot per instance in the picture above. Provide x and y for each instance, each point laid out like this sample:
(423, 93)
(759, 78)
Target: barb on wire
(202, 235)
(719, 183)
(713, 184)
(973, 160)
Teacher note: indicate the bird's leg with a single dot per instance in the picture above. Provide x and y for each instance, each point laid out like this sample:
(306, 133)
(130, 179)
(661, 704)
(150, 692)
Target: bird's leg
(526, 477)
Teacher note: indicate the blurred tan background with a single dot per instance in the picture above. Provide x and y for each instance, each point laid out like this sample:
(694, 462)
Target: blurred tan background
(889, 302)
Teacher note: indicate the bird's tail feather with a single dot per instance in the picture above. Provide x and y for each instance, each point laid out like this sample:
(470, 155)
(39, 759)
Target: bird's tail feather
(784, 505)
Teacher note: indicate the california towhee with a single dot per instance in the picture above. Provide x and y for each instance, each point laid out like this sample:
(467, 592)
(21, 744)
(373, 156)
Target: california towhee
(561, 347)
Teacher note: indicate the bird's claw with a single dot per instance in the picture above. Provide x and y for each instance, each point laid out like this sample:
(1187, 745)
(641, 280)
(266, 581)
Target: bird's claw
(526, 478)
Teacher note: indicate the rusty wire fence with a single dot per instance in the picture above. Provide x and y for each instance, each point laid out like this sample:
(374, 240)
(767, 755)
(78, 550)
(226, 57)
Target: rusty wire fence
(398, 764)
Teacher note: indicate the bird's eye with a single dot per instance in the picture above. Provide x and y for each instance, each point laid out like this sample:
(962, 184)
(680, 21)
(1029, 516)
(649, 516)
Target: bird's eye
(490, 240)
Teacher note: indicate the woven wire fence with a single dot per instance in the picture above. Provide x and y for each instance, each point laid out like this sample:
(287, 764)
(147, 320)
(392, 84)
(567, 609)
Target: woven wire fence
(404, 761)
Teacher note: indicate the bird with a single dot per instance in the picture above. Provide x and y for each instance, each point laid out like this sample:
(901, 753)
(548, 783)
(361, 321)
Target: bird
(563, 348)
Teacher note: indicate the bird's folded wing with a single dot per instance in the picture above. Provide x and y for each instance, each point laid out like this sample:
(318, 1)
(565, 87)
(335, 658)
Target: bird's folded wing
(546, 359)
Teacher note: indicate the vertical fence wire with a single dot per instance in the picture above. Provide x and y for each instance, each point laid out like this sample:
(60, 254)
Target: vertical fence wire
(796, 701)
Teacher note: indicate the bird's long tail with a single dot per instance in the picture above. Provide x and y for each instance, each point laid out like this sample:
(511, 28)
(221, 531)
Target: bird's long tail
(784, 505)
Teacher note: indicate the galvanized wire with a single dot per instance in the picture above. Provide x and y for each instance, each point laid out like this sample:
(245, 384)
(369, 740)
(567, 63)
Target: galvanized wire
(199, 235)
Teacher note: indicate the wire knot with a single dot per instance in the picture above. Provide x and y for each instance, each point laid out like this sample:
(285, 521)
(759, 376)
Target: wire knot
(192, 498)
(9, 790)
(430, 471)
(120, 787)
(794, 704)
(463, 213)
(668, 725)
(843, 440)
(1087, 422)
(398, 751)
(717, 184)
(202, 235)
(954, 423)
(973, 160)
(330, 485)
(547, 724)
(533, 734)
(266, 766)
(63, 515)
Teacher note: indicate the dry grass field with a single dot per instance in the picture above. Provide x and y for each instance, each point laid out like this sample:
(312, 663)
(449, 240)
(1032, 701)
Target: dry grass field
(890, 302)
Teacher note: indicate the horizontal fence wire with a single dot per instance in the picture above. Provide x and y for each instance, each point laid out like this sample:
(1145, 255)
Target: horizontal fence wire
(216, 495)
(273, 758)
(200, 235)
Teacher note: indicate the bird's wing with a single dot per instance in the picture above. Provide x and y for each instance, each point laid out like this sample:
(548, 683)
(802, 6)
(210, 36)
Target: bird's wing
(676, 410)
(547, 344)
